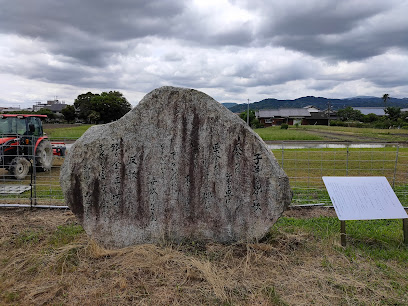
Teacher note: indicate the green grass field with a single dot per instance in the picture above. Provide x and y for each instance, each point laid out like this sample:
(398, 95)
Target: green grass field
(66, 132)
(385, 237)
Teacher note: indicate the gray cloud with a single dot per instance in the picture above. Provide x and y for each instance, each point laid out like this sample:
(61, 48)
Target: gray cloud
(88, 31)
(322, 17)
(350, 46)
(320, 85)
(112, 20)
(337, 30)
(230, 48)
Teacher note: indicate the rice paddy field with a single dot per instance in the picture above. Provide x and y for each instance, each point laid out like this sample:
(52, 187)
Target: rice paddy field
(332, 133)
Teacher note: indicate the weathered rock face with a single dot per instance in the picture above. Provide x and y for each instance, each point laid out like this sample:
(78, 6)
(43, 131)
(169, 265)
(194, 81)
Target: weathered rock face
(179, 165)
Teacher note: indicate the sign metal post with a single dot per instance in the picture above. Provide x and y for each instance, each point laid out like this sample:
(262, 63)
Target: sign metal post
(343, 233)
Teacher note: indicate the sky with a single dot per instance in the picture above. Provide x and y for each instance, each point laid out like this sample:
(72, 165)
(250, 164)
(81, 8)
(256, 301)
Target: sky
(232, 50)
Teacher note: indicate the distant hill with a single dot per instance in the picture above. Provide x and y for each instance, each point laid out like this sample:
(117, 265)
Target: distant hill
(229, 104)
(321, 103)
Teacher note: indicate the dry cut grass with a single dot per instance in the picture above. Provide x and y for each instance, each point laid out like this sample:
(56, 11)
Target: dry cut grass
(46, 258)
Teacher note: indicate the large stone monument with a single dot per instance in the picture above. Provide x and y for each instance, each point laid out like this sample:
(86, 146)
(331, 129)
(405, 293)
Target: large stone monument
(178, 166)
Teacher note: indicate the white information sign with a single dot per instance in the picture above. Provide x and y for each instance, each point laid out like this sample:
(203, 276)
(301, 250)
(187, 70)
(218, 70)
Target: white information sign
(363, 198)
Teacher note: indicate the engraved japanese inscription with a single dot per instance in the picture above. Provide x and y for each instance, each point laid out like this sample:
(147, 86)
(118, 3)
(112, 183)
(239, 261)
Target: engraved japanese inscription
(179, 165)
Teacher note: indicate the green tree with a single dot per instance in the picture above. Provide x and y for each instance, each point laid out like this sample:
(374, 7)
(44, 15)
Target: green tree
(104, 107)
(369, 118)
(94, 117)
(253, 121)
(385, 98)
(84, 104)
(244, 115)
(393, 113)
(404, 116)
(46, 111)
(17, 112)
(111, 105)
(69, 113)
(349, 114)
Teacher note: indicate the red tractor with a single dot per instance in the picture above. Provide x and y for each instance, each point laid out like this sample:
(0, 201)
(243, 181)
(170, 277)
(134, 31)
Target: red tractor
(23, 144)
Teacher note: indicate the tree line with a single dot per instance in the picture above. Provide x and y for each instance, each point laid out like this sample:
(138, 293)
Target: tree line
(394, 117)
(90, 108)
(100, 108)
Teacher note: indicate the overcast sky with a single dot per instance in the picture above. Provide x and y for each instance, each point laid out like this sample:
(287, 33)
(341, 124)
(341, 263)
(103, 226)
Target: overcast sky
(232, 50)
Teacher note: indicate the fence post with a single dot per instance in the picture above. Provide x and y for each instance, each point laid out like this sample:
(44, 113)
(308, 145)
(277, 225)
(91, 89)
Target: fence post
(308, 168)
(31, 184)
(343, 233)
(405, 230)
(34, 174)
(347, 159)
(282, 154)
(395, 167)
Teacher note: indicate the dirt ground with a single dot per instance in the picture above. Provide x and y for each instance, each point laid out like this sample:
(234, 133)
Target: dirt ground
(51, 218)
(45, 260)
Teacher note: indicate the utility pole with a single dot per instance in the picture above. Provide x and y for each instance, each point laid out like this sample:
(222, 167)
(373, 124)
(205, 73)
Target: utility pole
(328, 113)
(248, 114)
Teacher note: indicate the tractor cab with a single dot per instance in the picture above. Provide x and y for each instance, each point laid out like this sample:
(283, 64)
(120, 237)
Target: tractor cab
(14, 125)
(22, 143)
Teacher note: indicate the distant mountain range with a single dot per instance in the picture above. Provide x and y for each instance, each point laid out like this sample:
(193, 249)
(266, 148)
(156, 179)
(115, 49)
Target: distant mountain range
(229, 104)
(318, 102)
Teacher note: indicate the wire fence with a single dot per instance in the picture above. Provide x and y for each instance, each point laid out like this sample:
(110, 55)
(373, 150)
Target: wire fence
(305, 163)
(29, 170)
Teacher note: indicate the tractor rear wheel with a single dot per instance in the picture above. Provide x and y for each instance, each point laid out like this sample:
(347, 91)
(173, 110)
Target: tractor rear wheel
(19, 168)
(44, 156)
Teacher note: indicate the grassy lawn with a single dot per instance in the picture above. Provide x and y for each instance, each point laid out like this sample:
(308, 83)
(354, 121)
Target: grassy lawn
(66, 132)
(377, 239)
(48, 259)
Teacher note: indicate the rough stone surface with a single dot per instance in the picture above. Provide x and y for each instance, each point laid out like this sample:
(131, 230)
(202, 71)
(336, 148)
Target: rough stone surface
(178, 166)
